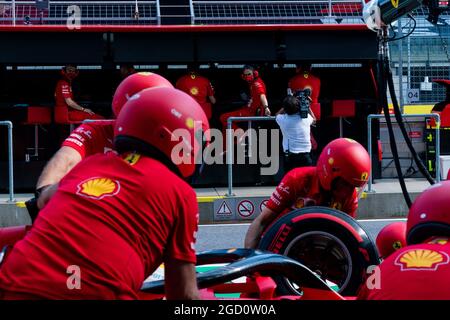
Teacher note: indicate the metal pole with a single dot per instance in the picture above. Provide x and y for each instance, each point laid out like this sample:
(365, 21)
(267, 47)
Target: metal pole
(14, 12)
(400, 65)
(158, 13)
(10, 158)
(409, 63)
(191, 9)
(438, 147)
(369, 146)
(229, 148)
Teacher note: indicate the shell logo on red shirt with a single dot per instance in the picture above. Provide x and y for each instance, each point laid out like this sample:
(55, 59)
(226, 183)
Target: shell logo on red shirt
(194, 91)
(97, 188)
(421, 259)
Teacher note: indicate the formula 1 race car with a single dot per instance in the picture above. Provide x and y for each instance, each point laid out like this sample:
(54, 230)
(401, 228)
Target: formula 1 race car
(314, 253)
(310, 253)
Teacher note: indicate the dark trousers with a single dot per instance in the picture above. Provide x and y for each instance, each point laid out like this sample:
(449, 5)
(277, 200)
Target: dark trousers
(295, 160)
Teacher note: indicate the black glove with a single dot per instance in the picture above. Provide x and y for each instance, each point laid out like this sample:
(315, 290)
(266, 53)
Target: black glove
(32, 208)
(31, 204)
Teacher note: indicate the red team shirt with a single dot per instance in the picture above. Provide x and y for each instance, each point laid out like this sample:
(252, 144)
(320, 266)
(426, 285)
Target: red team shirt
(63, 91)
(199, 88)
(418, 272)
(92, 138)
(117, 219)
(300, 188)
(257, 88)
(305, 80)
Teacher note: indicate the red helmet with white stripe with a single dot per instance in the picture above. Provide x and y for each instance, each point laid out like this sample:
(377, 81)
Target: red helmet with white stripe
(343, 158)
(169, 121)
(135, 83)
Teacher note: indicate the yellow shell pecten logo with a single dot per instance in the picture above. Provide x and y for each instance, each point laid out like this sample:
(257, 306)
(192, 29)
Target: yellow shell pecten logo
(395, 3)
(421, 259)
(194, 91)
(98, 188)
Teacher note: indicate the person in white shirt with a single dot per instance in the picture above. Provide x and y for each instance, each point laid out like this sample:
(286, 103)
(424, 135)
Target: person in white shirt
(296, 133)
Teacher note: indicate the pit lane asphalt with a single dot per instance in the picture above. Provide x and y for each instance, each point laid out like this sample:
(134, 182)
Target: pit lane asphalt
(222, 236)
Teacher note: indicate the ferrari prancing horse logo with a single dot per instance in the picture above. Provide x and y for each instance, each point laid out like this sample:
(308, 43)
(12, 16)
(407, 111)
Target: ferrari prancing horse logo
(395, 3)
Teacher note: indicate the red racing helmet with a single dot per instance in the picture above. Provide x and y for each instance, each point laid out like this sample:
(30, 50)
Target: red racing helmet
(429, 216)
(133, 84)
(343, 158)
(168, 120)
(391, 238)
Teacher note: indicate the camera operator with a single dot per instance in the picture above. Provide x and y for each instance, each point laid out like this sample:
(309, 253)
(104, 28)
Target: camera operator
(295, 120)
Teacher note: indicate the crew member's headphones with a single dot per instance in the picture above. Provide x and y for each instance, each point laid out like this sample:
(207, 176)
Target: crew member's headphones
(255, 72)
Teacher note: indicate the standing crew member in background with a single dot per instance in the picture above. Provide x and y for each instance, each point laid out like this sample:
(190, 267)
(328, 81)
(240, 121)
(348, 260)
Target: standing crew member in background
(199, 88)
(64, 96)
(421, 270)
(91, 138)
(257, 106)
(343, 166)
(304, 79)
(117, 216)
(296, 134)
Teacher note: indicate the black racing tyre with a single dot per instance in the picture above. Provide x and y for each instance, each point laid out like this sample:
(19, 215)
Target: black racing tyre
(329, 242)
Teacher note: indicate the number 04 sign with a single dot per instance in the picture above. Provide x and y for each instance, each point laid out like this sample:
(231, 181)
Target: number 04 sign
(413, 95)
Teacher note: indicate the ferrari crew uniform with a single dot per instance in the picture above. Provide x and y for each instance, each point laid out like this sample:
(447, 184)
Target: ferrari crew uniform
(112, 222)
(254, 108)
(306, 80)
(199, 88)
(63, 91)
(417, 272)
(91, 138)
(300, 188)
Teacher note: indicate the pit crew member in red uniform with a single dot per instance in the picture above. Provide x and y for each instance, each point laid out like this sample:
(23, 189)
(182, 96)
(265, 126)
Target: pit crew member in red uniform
(64, 96)
(420, 271)
(92, 138)
(117, 216)
(199, 88)
(258, 105)
(343, 166)
(391, 238)
(305, 79)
